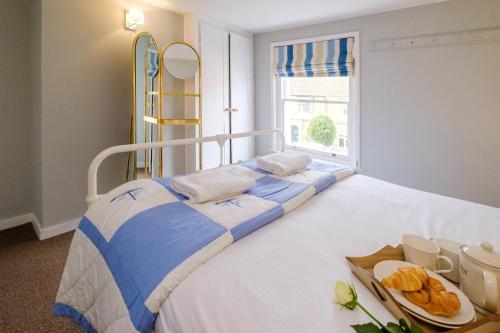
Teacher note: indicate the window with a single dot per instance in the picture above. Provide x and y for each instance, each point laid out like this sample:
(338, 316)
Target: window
(341, 142)
(306, 107)
(295, 133)
(319, 114)
(315, 113)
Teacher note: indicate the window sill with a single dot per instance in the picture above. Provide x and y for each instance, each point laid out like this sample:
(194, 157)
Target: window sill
(345, 160)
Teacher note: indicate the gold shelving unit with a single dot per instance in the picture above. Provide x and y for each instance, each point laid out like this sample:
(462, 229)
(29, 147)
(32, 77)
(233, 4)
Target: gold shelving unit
(177, 121)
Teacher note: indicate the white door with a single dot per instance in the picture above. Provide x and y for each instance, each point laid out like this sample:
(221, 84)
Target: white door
(241, 73)
(214, 51)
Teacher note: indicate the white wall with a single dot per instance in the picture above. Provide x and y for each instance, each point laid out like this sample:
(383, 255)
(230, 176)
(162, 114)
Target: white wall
(429, 116)
(15, 109)
(85, 87)
(36, 115)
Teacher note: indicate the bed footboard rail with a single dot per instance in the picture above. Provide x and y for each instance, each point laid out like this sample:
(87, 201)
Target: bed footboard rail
(92, 194)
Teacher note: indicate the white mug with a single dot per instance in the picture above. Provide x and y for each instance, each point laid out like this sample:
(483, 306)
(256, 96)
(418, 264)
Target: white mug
(424, 252)
(451, 250)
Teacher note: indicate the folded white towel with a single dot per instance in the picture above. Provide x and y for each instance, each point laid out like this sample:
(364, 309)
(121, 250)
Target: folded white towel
(284, 164)
(213, 184)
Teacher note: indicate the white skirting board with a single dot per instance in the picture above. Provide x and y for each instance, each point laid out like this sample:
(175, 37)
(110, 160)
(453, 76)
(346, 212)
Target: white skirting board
(42, 233)
(48, 232)
(16, 221)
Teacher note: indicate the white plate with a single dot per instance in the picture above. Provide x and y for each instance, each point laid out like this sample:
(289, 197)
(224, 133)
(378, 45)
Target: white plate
(433, 322)
(464, 315)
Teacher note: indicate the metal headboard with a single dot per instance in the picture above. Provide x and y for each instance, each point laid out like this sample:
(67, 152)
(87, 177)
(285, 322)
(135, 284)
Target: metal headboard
(92, 194)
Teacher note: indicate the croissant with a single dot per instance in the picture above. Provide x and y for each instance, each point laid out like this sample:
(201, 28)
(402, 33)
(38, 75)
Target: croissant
(420, 297)
(443, 303)
(406, 279)
(434, 285)
(434, 298)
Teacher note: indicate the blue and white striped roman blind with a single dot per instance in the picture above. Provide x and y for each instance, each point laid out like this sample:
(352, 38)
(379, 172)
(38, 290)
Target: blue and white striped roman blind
(333, 57)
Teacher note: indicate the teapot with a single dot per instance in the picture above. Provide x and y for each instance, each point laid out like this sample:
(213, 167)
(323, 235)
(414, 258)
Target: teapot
(480, 275)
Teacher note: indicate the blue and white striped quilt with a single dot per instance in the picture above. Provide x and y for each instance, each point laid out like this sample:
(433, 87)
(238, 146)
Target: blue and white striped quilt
(139, 241)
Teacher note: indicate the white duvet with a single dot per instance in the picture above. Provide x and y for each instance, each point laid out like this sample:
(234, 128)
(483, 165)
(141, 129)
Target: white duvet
(280, 278)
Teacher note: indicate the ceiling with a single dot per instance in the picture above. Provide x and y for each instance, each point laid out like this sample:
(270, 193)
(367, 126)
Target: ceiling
(266, 15)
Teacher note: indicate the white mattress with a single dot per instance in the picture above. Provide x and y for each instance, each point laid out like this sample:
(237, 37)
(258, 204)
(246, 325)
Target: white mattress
(281, 277)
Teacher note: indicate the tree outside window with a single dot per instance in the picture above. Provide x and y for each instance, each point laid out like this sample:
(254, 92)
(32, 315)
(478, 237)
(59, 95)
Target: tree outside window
(322, 130)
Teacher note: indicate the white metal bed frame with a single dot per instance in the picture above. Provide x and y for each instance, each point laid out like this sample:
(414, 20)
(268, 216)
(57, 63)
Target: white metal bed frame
(92, 194)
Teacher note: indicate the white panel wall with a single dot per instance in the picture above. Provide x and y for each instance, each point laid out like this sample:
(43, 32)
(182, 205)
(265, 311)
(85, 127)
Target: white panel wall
(214, 50)
(241, 72)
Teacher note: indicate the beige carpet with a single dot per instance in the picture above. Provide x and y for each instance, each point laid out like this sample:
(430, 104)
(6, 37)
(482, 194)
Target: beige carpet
(30, 271)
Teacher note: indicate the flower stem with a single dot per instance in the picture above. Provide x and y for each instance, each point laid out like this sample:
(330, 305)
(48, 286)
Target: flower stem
(370, 315)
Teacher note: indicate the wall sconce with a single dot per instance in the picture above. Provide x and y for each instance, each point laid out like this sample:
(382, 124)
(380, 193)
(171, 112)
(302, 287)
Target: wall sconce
(133, 17)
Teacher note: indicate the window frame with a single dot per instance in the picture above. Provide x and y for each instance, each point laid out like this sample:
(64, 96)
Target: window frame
(342, 137)
(354, 109)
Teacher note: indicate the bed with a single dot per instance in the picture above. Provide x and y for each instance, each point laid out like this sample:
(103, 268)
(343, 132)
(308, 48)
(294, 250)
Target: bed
(280, 277)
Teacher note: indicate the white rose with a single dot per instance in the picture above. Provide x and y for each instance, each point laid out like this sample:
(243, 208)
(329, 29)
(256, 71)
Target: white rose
(345, 295)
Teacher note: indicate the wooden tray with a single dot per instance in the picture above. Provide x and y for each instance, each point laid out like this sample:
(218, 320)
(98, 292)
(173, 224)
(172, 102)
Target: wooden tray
(362, 267)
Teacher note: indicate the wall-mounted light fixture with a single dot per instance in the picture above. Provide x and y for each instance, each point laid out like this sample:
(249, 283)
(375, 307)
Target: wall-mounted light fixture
(133, 17)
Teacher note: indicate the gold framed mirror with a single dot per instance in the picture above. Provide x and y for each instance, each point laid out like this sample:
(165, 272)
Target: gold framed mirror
(166, 83)
(145, 103)
(181, 60)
